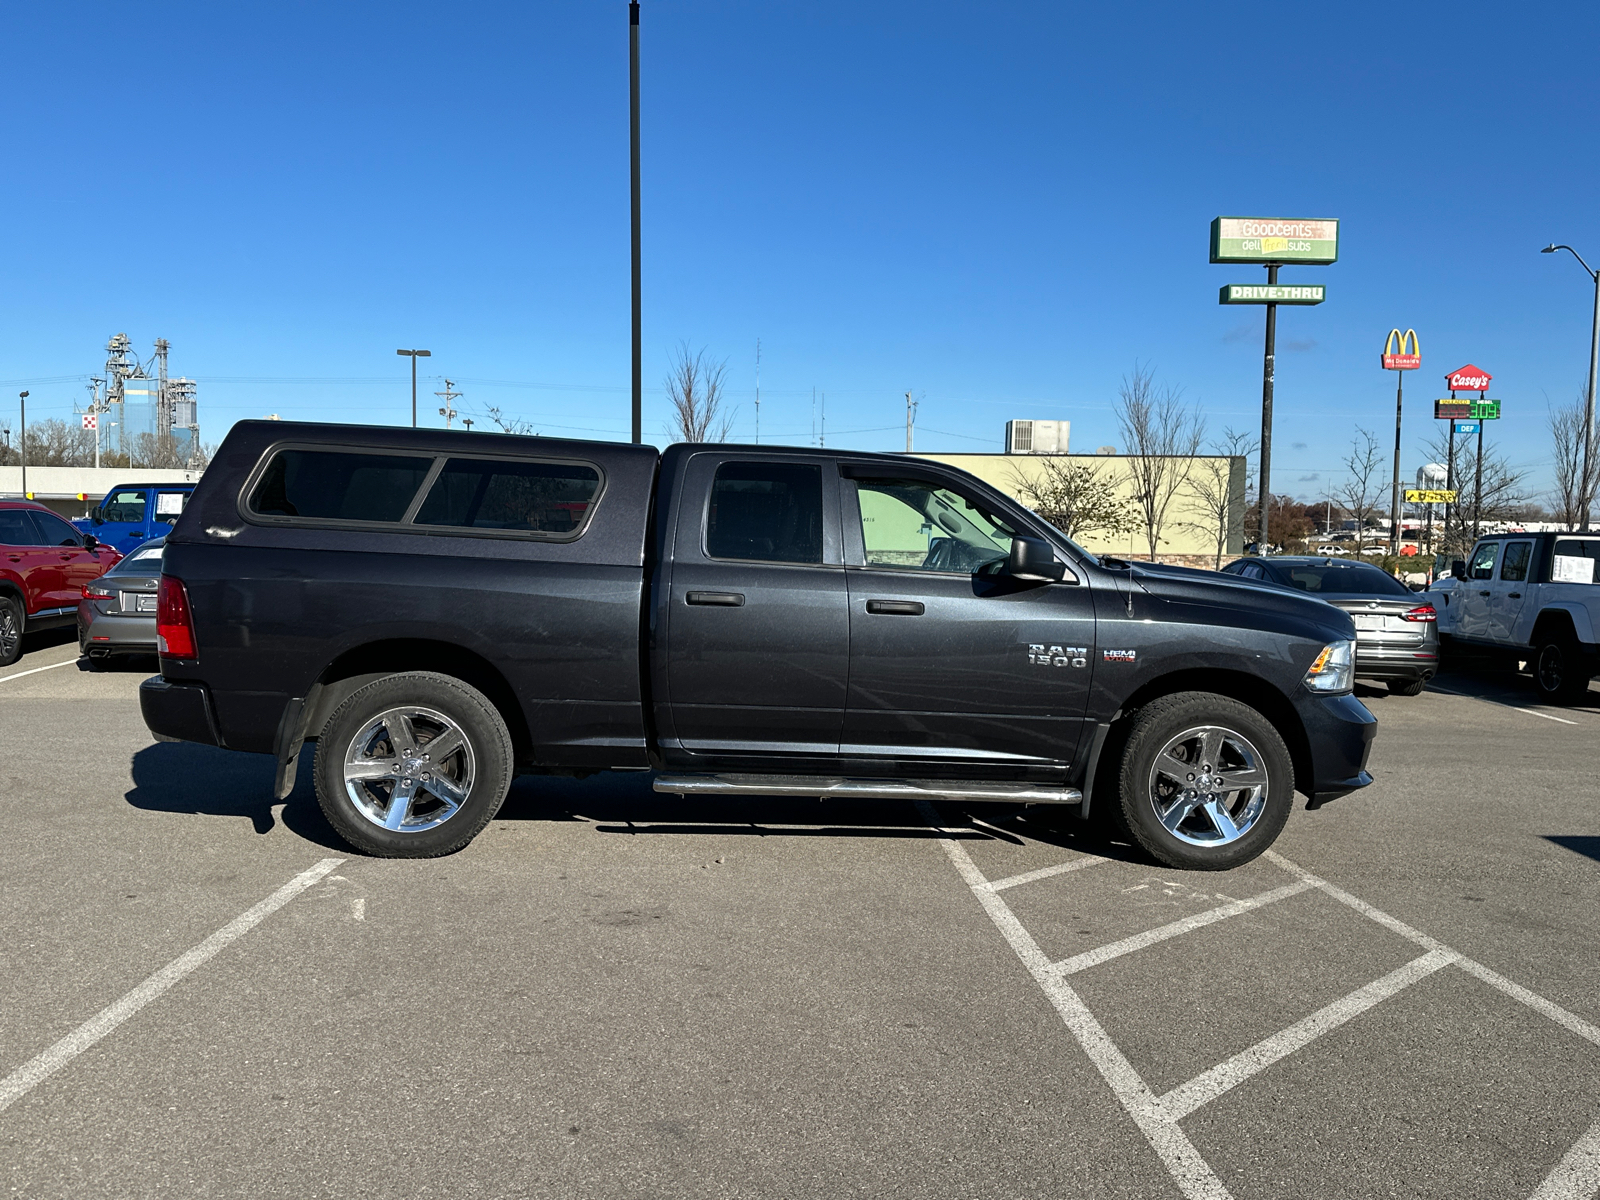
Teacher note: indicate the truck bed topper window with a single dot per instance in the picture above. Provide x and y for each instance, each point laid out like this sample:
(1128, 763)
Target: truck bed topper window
(353, 486)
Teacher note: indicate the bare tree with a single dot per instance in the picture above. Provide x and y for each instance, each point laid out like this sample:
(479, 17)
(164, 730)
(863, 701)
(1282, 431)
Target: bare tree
(694, 387)
(1505, 491)
(1573, 493)
(1361, 492)
(1074, 497)
(1161, 435)
(1214, 499)
(514, 425)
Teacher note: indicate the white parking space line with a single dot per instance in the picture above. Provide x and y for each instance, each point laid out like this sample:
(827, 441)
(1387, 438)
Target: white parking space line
(1208, 1085)
(39, 1068)
(1092, 958)
(1577, 1176)
(1433, 687)
(35, 670)
(1194, 1177)
(1077, 864)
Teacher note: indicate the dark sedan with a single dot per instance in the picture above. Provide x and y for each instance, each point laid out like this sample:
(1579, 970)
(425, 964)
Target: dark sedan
(1397, 635)
(117, 614)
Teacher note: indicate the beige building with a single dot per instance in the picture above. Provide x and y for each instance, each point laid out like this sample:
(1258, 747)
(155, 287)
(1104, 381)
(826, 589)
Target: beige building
(1189, 534)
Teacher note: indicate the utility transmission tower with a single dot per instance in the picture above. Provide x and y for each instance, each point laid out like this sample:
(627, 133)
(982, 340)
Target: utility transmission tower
(911, 419)
(758, 391)
(449, 394)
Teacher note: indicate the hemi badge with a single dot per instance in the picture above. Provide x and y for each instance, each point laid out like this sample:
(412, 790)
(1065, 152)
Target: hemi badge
(1123, 656)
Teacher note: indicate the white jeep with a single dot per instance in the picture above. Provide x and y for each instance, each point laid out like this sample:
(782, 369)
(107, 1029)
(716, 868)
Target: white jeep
(1532, 597)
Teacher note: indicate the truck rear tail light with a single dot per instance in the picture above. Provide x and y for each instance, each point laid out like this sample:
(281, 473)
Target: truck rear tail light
(1423, 612)
(174, 620)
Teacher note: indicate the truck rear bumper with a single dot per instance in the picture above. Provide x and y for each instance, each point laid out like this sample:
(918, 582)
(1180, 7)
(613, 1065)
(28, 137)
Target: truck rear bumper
(1339, 732)
(178, 711)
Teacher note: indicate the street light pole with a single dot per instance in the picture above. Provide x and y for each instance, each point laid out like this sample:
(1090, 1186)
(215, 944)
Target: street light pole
(22, 445)
(414, 355)
(633, 162)
(1586, 481)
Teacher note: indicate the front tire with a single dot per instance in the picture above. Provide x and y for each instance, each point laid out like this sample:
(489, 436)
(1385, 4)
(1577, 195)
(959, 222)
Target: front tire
(10, 630)
(413, 766)
(1206, 783)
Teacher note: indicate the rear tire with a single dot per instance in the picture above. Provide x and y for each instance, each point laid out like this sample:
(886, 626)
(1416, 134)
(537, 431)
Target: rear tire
(386, 792)
(1205, 783)
(1559, 671)
(1414, 688)
(10, 630)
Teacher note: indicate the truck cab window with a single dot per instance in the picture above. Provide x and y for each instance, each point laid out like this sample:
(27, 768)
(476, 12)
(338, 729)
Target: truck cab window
(1514, 566)
(922, 527)
(766, 512)
(1574, 560)
(124, 506)
(1482, 564)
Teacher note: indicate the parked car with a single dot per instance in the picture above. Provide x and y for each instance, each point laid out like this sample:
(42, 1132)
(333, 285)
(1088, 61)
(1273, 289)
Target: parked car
(440, 610)
(44, 564)
(1397, 640)
(117, 614)
(133, 513)
(1531, 597)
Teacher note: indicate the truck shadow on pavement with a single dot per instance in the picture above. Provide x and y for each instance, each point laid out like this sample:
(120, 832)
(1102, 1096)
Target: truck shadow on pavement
(624, 803)
(1586, 845)
(1501, 686)
(185, 777)
(188, 778)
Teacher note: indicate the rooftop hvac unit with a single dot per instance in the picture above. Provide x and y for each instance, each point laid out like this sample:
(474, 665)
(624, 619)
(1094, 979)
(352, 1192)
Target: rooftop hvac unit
(1037, 437)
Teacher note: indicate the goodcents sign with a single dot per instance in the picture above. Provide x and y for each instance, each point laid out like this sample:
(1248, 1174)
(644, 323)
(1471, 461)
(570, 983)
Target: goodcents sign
(1274, 240)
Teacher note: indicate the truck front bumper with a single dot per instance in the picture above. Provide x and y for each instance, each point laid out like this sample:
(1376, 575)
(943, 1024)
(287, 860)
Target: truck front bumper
(1339, 733)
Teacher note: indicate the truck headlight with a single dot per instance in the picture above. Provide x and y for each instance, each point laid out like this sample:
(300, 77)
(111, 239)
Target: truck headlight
(1333, 670)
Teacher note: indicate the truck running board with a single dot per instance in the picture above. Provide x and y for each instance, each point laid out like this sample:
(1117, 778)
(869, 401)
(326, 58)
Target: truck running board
(826, 786)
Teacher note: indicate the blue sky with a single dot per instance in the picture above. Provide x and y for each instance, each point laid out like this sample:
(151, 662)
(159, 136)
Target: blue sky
(1000, 207)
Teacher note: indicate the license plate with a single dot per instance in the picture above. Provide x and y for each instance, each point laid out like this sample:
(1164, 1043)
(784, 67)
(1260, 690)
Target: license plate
(138, 602)
(1365, 624)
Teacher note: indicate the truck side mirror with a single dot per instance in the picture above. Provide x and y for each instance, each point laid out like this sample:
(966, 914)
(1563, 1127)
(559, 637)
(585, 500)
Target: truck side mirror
(1034, 558)
(1458, 568)
(98, 516)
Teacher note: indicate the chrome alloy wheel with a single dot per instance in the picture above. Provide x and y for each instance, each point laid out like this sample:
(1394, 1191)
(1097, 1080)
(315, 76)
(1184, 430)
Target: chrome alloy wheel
(1208, 786)
(10, 635)
(409, 769)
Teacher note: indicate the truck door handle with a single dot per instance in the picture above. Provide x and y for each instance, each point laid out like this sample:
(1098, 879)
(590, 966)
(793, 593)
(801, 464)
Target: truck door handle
(717, 599)
(896, 608)
(1483, 593)
(1514, 596)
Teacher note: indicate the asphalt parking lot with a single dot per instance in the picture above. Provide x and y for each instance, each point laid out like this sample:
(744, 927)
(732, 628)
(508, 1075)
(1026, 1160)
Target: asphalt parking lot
(618, 994)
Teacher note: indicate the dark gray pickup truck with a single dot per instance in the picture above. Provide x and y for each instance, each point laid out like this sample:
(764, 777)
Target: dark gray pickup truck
(441, 611)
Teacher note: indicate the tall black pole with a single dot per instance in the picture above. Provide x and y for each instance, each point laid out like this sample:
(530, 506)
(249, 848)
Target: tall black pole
(633, 151)
(413, 389)
(1450, 482)
(1268, 370)
(1394, 500)
(22, 446)
(1588, 415)
(1477, 487)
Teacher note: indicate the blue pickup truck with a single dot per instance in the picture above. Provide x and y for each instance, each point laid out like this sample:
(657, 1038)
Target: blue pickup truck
(132, 513)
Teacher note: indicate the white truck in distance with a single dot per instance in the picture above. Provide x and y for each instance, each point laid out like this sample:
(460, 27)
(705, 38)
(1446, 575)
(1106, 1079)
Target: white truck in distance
(1532, 597)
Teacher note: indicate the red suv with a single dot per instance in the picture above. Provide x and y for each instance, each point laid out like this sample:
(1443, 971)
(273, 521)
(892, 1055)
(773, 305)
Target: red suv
(44, 563)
